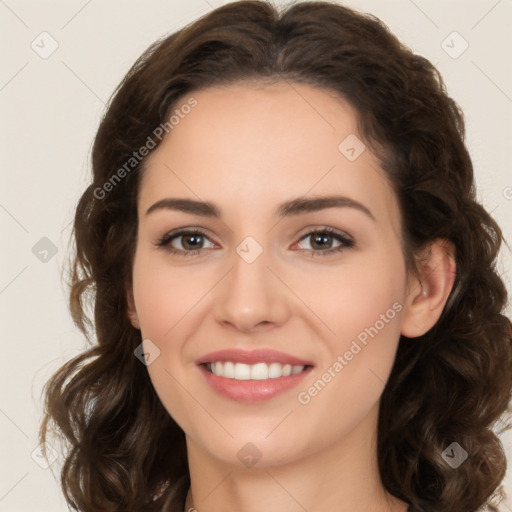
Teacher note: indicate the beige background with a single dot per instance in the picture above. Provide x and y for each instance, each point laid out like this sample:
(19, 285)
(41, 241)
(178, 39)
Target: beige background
(50, 109)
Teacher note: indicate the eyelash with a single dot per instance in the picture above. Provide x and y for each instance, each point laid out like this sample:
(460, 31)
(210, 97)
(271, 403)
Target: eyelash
(164, 241)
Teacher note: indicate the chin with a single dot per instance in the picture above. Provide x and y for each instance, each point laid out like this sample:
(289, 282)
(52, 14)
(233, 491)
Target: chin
(250, 450)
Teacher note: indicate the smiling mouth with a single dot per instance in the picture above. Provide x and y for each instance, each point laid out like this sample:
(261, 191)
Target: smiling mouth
(258, 371)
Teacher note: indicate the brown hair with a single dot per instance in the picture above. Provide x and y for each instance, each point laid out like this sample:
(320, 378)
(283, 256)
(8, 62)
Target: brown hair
(452, 384)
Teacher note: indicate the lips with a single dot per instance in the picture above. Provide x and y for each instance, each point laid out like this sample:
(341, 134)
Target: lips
(252, 391)
(253, 357)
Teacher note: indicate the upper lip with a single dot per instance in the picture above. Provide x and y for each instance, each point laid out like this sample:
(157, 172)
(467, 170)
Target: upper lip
(252, 357)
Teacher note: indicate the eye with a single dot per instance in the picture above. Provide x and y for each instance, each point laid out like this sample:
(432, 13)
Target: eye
(193, 240)
(323, 239)
(191, 243)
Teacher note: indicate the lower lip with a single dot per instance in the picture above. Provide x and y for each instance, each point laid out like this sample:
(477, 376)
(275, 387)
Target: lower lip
(252, 391)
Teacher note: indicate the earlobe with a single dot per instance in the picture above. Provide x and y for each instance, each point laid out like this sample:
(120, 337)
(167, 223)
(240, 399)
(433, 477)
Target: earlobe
(428, 295)
(131, 310)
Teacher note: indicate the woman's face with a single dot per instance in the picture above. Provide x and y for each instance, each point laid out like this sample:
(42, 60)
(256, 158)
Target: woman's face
(255, 283)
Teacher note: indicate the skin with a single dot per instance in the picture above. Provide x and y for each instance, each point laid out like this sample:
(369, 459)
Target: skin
(248, 148)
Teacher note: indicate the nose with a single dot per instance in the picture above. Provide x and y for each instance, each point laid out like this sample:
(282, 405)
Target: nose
(252, 297)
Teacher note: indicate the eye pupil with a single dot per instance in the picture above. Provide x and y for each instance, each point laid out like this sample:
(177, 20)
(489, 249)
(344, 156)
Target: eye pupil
(197, 238)
(322, 239)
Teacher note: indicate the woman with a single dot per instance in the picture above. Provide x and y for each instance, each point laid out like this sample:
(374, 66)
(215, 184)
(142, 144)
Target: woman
(295, 300)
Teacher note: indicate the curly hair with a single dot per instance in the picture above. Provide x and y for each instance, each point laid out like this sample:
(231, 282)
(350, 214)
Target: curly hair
(453, 385)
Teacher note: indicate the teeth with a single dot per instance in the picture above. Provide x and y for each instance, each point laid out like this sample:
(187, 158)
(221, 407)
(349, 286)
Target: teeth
(259, 371)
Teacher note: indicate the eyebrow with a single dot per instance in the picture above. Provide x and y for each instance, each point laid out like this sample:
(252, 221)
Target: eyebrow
(287, 209)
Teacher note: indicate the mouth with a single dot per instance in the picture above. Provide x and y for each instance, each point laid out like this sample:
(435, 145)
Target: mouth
(259, 371)
(252, 358)
(252, 376)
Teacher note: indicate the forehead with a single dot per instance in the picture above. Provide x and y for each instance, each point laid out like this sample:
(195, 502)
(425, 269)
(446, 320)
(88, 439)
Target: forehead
(259, 144)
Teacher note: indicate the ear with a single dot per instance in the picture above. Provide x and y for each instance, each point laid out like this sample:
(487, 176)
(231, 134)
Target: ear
(132, 312)
(427, 295)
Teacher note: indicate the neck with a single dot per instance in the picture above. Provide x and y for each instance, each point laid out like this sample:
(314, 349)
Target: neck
(342, 477)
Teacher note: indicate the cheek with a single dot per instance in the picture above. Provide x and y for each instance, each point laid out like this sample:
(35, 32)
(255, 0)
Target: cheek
(164, 295)
(355, 295)
(165, 299)
(361, 305)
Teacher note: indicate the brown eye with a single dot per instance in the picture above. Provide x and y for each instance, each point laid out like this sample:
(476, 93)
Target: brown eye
(323, 239)
(191, 244)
